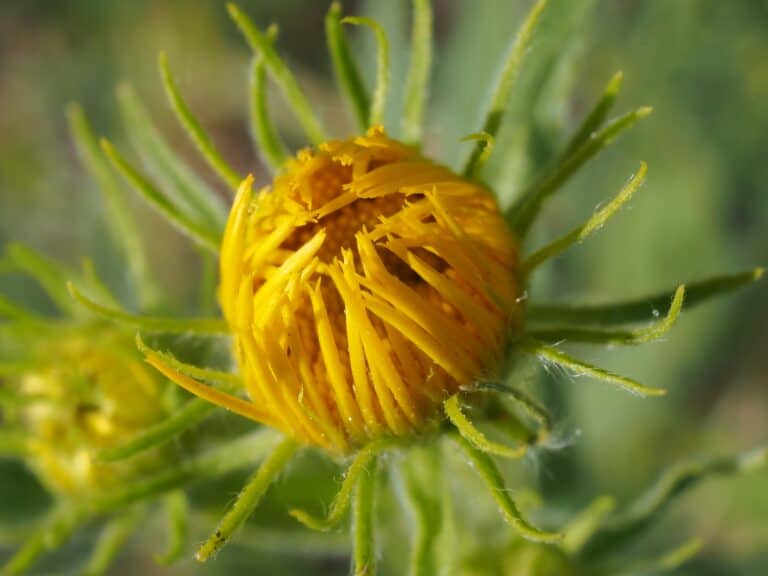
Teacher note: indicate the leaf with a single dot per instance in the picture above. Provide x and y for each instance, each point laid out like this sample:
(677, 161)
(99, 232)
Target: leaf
(281, 74)
(522, 214)
(505, 82)
(248, 499)
(200, 233)
(417, 81)
(649, 508)
(580, 368)
(361, 462)
(641, 309)
(468, 430)
(151, 323)
(195, 130)
(200, 201)
(593, 224)
(379, 102)
(346, 69)
(488, 472)
(650, 333)
(122, 225)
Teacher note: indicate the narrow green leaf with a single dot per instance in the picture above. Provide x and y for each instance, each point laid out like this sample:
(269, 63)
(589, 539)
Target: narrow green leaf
(528, 405)
(15, 312)
(209, 279)
(122, 226)
(579, 368)
(522, 214)
(96, 285)
(452, 407)
(249, 498)
(379, 102)
(111, 541)
(488, 142)
(362, 461)
(191, 413)
(230, 456)
(488, 472)
(364, 538)
(345, 68)
(281, 74)
(649, 508)
(271, 147)
(583, 527)
(225, 380)
(597, 116)
(417, 81)
(176, 508)
(151, 323)
(198, 200)
(204, 236)
(666, 563)
(505, 82)
(195, 130)
(595, 222)
(641, 309)
(51, 534)
(51, 275)
(290, 543)
(601, 336)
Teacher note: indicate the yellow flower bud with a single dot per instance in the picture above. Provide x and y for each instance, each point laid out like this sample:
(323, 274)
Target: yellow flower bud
(363, 287)
(89, 392)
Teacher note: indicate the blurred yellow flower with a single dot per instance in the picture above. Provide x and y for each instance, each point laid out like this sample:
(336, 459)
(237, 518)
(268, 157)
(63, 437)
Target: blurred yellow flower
(76, 403)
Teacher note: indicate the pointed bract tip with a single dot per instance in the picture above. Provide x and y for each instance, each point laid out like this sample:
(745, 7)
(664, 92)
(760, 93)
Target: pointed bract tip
(644, 111)
(140, 343)
(614, 85)
(758, 273)
(73, 109)
(272, 31)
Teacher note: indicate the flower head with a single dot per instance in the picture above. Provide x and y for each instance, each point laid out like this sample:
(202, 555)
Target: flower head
(363, 287)
(76, 402)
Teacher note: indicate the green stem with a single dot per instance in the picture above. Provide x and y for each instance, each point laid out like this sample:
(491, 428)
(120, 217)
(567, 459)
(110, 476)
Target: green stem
(364, 556)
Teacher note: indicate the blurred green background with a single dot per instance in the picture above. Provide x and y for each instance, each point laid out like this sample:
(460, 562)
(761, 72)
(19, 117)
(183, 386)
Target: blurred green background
(701, 64)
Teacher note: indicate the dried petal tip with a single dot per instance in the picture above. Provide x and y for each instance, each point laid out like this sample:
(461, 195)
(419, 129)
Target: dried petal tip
(363, 287)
